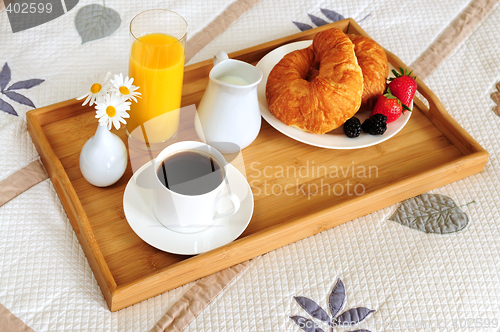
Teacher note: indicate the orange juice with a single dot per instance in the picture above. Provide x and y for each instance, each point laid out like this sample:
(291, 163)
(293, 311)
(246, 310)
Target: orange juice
(157, 66)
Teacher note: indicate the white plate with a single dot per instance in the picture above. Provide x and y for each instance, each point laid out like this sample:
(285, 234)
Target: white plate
(138, 208)
(336, 139)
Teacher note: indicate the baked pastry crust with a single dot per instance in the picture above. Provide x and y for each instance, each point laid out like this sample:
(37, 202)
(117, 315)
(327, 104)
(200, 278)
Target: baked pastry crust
(318, 88)
(375, 67)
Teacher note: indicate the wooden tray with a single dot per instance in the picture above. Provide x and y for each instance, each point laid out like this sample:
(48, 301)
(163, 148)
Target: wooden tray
(431, 151)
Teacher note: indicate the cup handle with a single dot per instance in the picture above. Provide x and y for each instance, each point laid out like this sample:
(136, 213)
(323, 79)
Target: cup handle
(219, 57)
(234, 200)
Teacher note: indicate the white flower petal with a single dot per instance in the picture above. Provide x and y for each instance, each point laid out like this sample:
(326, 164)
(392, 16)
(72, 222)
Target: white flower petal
(87, 100)
(117, 80)
(116, 123)
(99, 99)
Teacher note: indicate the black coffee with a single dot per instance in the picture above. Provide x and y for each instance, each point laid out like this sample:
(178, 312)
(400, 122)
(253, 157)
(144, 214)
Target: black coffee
(190, 173)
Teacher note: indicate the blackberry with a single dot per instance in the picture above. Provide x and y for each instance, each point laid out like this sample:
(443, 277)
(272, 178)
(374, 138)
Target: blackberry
(352, 127)
(375, 125)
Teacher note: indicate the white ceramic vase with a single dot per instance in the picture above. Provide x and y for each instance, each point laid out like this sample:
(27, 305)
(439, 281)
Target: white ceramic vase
(103, 158)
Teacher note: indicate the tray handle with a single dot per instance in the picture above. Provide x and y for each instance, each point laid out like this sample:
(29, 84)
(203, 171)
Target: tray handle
(435, 112)
(70, 209)
(53, 167)
(438, 115)
(76, 214)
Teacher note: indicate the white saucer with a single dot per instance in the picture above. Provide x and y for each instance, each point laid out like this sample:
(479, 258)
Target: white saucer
(335, 139)
(138, 208)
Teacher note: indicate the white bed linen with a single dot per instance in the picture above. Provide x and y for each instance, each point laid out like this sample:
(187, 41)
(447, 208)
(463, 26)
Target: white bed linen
(405, 275)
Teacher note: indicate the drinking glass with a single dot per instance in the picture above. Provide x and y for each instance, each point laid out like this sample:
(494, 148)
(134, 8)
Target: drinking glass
(156, 63)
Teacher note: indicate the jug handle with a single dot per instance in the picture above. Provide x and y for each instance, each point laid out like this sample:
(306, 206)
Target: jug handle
(219, 57)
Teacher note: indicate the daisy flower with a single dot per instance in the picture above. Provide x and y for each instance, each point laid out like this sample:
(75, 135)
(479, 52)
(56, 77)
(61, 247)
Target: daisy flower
(124, 87)
(96, 88)
(112, 110)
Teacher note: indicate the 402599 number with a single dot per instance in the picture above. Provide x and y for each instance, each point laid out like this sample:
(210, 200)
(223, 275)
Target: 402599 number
(29, 8)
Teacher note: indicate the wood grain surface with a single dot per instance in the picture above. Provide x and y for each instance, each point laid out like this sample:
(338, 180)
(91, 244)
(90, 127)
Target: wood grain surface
(296, 187)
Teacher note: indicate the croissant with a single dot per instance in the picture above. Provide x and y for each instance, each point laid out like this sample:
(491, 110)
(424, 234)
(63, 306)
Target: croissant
(318, 88)
(375, 67)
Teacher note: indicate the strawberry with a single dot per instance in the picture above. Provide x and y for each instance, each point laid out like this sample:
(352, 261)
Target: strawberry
(403, 86)
(388, 105)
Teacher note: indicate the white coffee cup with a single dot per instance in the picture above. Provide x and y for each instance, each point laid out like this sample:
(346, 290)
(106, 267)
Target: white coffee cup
(191, 213)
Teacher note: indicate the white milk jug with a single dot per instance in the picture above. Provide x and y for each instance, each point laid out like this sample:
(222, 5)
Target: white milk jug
(228, 116)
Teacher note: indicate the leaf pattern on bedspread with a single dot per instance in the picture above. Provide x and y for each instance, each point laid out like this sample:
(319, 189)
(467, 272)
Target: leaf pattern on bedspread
(5, 78)
(431, 213)
(336, 303)
(331, 15)
(95, 22)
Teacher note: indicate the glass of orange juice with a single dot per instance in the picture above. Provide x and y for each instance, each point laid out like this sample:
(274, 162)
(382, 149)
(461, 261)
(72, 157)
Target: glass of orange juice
(156, 63)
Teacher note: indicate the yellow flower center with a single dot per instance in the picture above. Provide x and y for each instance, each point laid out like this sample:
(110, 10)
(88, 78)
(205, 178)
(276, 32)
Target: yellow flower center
(124, 90)
(110, 111)
(95, 88)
